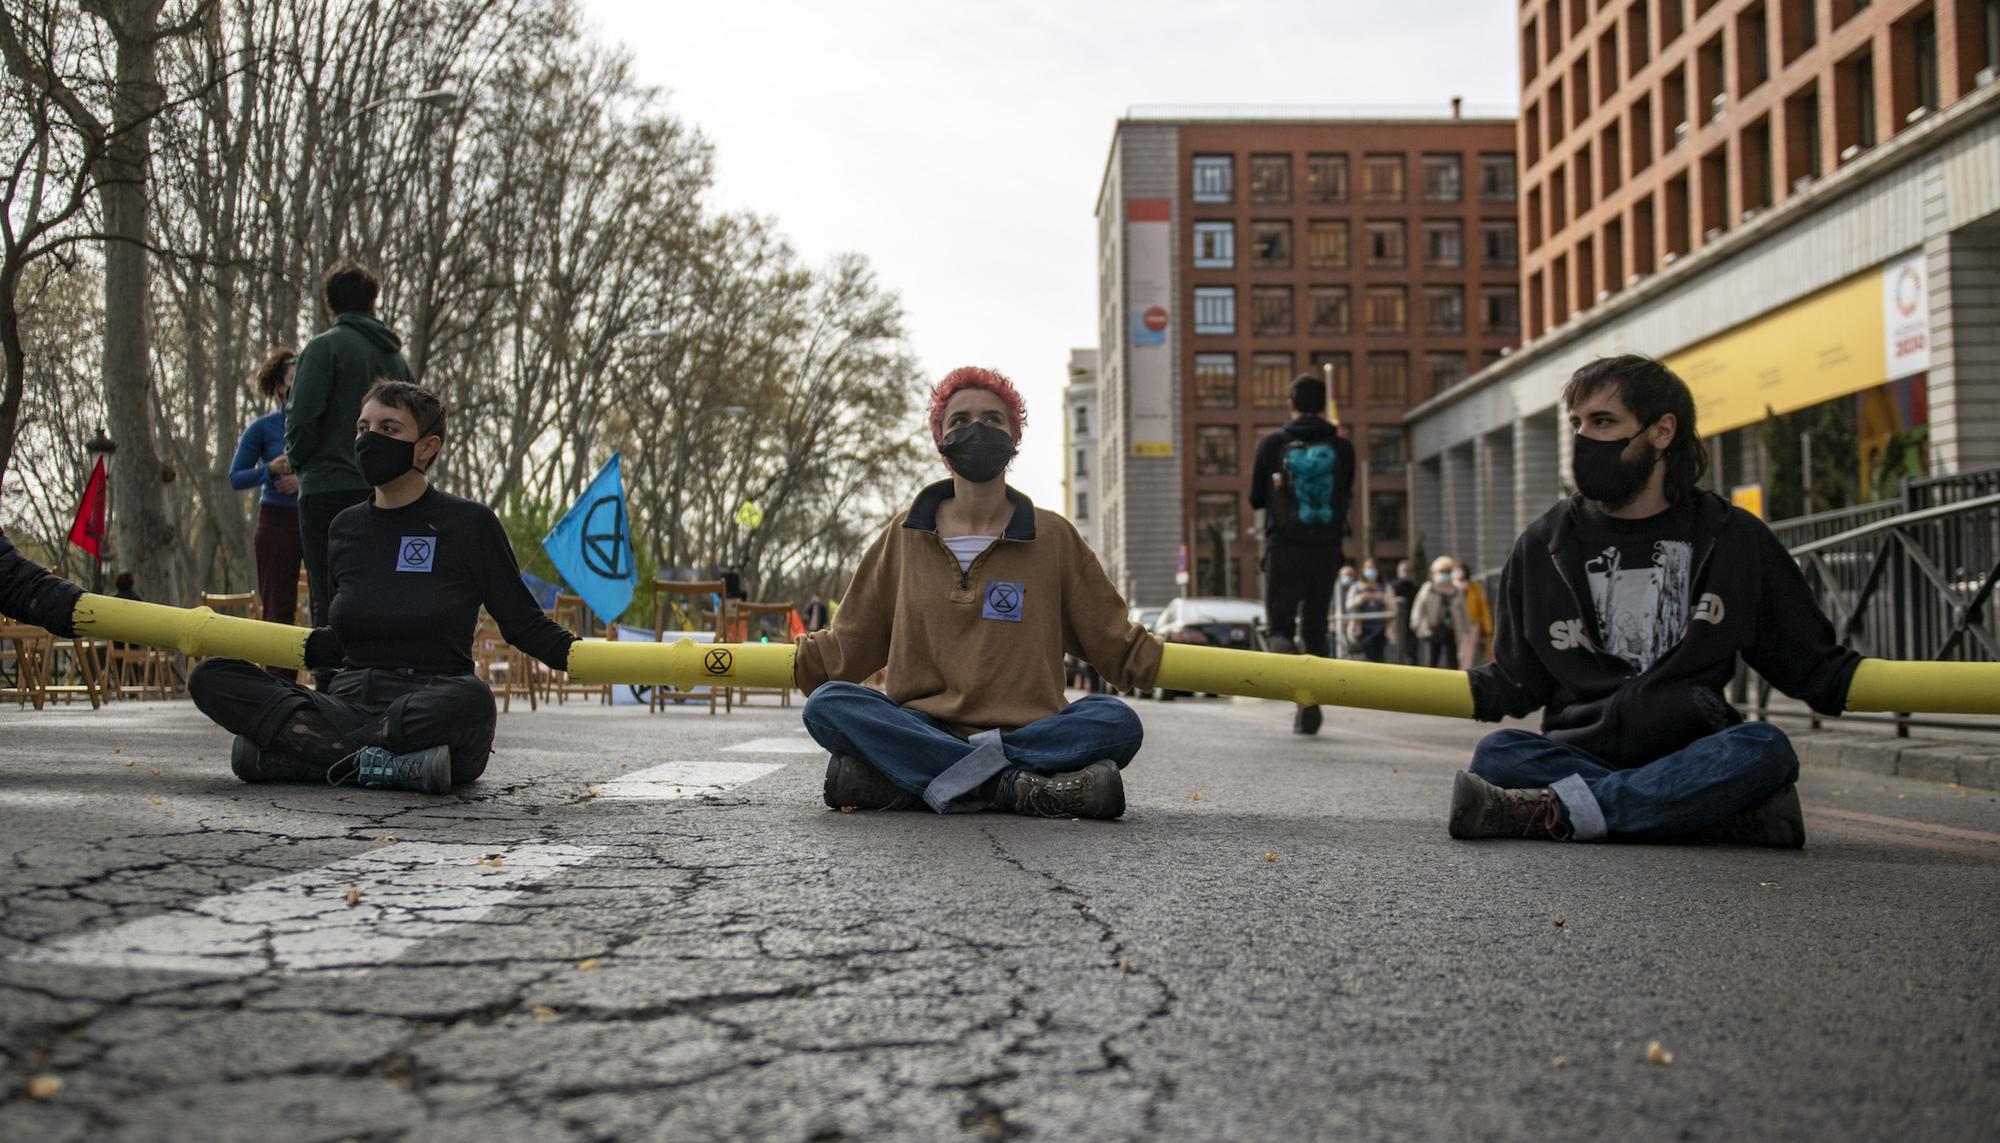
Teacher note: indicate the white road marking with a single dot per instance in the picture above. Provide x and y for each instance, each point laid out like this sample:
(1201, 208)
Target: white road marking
(306, 922)
(683, 780)
(775, 746)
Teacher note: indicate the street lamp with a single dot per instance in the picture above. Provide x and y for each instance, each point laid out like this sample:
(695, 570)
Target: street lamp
(100, 447)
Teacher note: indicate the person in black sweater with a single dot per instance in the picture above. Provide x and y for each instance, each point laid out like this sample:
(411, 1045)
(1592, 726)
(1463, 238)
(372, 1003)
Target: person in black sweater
(31, 593)
(1622, 614)
(410, 570)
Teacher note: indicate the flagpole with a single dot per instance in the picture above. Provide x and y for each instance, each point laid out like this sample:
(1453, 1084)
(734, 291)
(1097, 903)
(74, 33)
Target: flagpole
(100, 447)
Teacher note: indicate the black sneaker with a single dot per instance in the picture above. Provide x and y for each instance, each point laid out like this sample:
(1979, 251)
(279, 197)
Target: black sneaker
(1306, 721)
(855, 784)
(1280, 645)
(253, 763)
(1096, 791)
(1481, 809)
(1776, 821)
(418, 772)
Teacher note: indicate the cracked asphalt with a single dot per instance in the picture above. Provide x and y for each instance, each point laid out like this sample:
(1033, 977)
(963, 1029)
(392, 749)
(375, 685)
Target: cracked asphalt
(1277, 942)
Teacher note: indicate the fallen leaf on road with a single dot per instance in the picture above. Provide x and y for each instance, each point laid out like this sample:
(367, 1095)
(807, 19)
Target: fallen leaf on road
(1194, 797)
(847, 809)
(156, 771)
(155, 801)
(1560, 1061)
(354, 896)
(44, 1087)
(131, 762)
(545, 1013)
(1559, 923)
(586, 965)
(118, 750)
(1124, 966)
(590, 791)
(1657, 1054)
(1270, 857)
(385, 839)
(1394, 770)
(624, 765)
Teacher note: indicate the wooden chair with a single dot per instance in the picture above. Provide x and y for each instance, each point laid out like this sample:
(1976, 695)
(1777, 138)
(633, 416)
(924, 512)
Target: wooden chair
(130, 671)
(69, 669)
(22, 649)
(570, 614)
(502, 666)
(742, 628)
(684, 599)
(243, 601)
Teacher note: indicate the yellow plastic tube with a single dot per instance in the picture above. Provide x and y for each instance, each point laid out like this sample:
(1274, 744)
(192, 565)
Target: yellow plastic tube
(190, 630)
(1308, 679)
(683, 663)
(1931, 688)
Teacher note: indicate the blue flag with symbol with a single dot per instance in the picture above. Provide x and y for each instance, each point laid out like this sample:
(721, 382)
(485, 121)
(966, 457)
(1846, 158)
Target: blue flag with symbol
(592, 545)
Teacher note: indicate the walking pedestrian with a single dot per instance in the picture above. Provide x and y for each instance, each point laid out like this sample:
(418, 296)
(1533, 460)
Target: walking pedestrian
(1370, 611)
(1623, 614)
(410, 570)
(260, 462)
(1478, 632)
(1403, 591)
(333, 373)
(1438, 616)
(1303, 478)
(973, 593)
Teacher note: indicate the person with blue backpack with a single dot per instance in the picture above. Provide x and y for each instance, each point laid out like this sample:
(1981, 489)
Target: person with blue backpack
(1303, 480)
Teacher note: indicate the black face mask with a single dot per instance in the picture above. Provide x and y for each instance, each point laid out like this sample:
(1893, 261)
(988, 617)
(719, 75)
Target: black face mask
(384, 458)
(978, 452)
(1604, 475)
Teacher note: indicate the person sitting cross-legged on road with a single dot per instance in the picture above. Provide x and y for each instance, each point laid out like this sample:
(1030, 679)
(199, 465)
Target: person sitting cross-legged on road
(970, 598)
(409, 571)
(1621, 615)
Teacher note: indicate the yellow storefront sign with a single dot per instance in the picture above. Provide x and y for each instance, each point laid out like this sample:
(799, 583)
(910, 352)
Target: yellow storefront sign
(1823, 346)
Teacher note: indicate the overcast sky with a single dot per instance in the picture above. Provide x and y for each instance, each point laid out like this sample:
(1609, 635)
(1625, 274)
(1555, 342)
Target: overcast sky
(960, 146)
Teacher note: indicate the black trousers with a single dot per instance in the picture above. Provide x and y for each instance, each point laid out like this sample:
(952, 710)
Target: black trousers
(403, 712)
(1295, 578)
(316, 513)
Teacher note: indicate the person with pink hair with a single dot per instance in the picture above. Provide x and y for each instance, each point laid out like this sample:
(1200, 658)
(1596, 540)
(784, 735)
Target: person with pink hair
(970, 598)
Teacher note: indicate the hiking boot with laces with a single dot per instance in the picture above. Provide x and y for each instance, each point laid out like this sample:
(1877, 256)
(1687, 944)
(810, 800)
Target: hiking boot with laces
(855, 784)
(253, 763)
(1096, 791)
(1776, 821)
(1481, 809)
(418, 772)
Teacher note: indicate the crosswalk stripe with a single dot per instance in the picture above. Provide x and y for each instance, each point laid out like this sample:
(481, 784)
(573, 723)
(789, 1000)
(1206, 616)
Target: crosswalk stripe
(776, 746)
(349, 916)
(675, 780)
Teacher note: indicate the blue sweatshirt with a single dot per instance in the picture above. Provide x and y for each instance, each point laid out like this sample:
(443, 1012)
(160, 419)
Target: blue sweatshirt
(262, 443)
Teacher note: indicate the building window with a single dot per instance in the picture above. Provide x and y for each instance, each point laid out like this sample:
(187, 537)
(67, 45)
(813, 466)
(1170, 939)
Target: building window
(1215, 380)
(1270, 379)
(1083, 505)
(1444, 178)
(1271, 245)
(1082, 463)
(1388, 310)
(1445, 370)
(1271, 311)
(1384, 175)
(1326, 244)
(1083, 420)
(1326, 178)
(1214, 180)
(1496, 178)
(1271, 179)
(1923, 35)
(1330, 312)
(1388, 515)
(1214, 245)
(1215, 309)
(1385, 450)
(1337, 370)
(1215, 450)
(1385, 246)
(1500, 244)
(1503, 311)
(1444, 309)
(1991, 12)
(1444, 245)
(1389, 377)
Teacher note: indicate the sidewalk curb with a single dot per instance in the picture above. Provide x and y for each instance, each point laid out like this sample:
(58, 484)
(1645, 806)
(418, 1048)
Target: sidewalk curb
(1972, 765)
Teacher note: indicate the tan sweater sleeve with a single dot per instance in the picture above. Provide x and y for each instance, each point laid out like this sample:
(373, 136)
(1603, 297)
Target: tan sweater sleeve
(856, 645)
(1097, 620)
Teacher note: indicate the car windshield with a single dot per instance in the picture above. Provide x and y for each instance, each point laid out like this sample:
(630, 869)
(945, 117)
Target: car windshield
(1221, 611)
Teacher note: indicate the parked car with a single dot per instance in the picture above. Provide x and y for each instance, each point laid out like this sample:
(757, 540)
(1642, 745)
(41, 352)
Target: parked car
(1211, 621)
(1144, 616)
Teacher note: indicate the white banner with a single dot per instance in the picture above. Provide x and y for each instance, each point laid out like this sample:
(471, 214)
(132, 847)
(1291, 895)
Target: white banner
(1906, 318)
(1149, 302)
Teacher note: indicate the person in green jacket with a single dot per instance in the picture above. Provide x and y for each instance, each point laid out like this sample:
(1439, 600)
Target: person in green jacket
(334, 371)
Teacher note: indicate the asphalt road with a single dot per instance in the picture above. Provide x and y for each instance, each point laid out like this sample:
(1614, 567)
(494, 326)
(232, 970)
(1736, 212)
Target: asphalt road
(631, 930)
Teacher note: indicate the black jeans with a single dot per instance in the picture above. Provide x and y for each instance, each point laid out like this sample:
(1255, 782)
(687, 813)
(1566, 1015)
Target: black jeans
(1299, 577)
(403, 712)
(316, 513)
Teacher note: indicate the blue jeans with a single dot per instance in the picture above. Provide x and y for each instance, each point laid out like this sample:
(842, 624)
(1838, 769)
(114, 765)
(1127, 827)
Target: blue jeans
(919, 755)
(1681, 794)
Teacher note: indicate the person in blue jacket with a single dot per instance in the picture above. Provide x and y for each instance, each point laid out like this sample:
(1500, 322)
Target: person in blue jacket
(261, 462)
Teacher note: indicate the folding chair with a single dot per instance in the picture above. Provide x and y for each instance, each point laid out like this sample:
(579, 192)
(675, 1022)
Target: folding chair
(742, 627)
(684, 599)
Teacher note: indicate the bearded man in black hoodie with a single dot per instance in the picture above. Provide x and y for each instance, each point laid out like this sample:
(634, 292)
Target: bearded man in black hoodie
(1621, 615)
(1303, 479)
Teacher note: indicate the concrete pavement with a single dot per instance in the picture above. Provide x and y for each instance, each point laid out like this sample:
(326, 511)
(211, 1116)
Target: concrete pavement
(647, 927)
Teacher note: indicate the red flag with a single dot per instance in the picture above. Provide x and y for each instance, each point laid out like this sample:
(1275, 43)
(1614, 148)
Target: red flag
(87, 531)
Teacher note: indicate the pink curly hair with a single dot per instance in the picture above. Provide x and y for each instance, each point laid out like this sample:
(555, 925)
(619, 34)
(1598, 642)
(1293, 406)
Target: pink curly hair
(973, 377)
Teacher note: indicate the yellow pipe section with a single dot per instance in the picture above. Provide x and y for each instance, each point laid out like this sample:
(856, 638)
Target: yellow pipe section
(1310, 680)
(190, 630)
(1927, 687)
(683, 663)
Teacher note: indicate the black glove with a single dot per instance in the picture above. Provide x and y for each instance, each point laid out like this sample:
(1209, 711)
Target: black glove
(324, 651)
